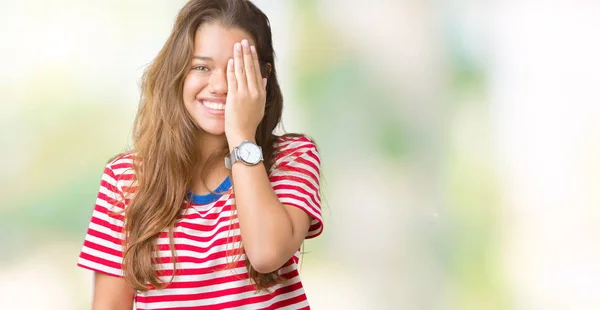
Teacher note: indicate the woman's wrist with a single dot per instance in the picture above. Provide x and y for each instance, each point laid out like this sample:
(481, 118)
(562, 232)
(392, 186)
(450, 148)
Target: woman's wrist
(236, 140)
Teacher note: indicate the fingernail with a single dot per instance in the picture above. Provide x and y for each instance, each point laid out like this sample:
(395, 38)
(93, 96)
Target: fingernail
(253, 49)
(237, 47)
(245, 43)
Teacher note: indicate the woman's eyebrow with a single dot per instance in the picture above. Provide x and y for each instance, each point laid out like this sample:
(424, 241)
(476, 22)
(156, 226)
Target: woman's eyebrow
(204, 58)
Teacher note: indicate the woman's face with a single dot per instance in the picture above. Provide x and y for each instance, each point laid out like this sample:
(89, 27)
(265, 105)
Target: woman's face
(205, 86)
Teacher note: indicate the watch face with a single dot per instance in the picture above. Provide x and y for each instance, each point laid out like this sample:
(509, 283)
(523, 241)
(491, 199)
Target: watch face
(250, 153)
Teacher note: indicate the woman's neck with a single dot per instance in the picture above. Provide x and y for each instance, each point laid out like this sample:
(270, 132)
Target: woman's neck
(207, 145)
(209, 170)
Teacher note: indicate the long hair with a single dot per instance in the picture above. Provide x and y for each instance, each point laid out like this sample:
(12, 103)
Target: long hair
(164, 135)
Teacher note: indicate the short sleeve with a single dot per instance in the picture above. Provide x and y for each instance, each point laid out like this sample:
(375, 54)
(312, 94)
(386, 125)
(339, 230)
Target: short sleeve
(295, 178)
(103, 245)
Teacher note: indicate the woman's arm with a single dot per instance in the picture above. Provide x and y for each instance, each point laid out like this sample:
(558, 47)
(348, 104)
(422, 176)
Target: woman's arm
(271, 231)
(111, 293)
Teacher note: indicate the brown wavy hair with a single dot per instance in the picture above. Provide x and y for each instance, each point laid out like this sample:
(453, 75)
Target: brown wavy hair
(164, 135)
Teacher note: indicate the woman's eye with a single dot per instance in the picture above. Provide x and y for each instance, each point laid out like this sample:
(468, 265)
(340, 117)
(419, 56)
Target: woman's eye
(201, 68)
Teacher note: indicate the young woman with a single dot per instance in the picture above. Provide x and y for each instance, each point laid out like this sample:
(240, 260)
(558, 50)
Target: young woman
(210, 208)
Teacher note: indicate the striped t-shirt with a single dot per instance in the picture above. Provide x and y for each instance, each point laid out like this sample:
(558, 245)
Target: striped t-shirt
(205, 234)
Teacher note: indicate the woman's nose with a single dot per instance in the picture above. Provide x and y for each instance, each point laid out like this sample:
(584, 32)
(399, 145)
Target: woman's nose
(218, 82)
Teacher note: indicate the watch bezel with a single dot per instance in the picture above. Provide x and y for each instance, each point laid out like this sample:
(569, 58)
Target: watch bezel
(255, 148)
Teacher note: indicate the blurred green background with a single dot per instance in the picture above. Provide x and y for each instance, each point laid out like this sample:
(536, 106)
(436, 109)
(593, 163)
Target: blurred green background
(460, 144)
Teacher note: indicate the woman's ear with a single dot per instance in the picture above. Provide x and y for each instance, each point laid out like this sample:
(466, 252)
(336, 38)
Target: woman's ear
(267, 70)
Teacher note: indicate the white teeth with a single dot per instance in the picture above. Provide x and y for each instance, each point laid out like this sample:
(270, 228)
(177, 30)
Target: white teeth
(213, 105)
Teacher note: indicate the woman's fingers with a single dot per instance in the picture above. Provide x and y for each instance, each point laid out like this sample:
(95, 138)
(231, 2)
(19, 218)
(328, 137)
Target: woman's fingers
(245, 70)
(231, 79)
(253, 85)
(259, 77)
(240, 74)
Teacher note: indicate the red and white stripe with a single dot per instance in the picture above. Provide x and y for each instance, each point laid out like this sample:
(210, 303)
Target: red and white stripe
(206, 237)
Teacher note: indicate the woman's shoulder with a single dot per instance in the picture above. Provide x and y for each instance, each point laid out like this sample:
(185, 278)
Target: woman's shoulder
(293, 146)
(291, 142)
(121, 167)
(122, 160)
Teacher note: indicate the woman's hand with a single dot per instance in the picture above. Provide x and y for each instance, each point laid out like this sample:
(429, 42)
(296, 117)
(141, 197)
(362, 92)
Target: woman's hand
(246, 95)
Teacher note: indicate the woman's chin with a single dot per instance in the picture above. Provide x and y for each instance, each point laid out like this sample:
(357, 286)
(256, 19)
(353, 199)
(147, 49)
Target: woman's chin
(212, 129)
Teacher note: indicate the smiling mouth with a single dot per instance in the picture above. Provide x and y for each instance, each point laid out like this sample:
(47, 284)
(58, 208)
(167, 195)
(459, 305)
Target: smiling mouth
(214, 105)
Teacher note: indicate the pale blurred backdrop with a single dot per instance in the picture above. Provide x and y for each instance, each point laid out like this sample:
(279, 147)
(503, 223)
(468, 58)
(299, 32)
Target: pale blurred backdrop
(460, 143)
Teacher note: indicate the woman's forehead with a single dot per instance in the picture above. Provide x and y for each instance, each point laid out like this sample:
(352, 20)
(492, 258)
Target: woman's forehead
(216, 38)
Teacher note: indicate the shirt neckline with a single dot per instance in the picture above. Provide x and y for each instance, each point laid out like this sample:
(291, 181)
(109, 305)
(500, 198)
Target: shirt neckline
(211, 197)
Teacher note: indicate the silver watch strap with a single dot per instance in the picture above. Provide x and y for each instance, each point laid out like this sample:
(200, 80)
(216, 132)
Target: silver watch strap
(232, 158)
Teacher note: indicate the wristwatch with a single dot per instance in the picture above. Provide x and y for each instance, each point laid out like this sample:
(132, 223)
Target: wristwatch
(247, 152)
